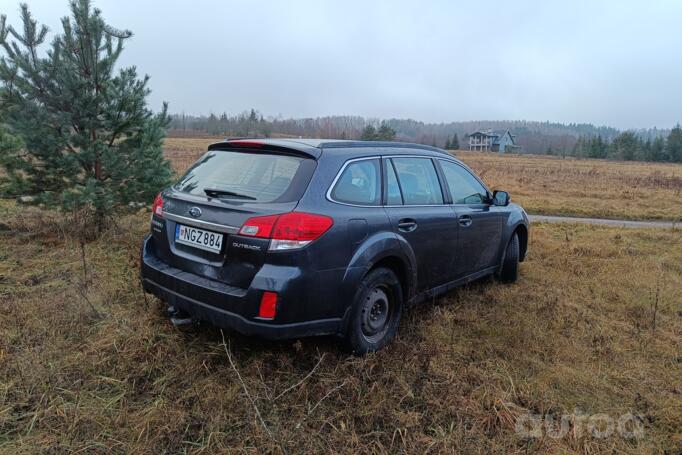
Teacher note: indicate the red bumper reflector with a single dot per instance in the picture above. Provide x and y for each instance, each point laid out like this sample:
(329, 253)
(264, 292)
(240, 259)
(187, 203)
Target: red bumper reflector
(268, 305)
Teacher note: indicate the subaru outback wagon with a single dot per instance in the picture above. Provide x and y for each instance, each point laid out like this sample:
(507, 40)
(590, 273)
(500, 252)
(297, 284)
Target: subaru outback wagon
(291, 238)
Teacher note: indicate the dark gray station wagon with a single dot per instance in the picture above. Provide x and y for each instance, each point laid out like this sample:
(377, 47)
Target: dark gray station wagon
(290, 238)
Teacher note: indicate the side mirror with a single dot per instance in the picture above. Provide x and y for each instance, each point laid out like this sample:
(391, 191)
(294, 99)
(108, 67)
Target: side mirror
(501, 198)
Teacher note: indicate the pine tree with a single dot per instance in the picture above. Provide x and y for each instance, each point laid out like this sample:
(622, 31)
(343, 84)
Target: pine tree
(385, 132)
(579, 149)
(598, 148)
(369, 133)
(454, 144)
(253, 123)
(223, 123)
(658, 152)
(447, 143)
(673, 145)
(645, 151)
(10, 147)
(625, 146)
(88, 139)
(212, 125)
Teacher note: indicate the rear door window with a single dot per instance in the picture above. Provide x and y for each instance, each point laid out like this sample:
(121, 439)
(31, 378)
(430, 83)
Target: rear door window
(418, 181)
(256, 177)
(393, 195)
(359, 183)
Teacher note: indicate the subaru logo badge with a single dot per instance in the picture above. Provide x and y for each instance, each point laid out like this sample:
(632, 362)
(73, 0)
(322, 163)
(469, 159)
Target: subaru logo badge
(195, 212)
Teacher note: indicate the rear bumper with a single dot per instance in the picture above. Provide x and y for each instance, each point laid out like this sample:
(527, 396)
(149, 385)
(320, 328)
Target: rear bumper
(222, 305)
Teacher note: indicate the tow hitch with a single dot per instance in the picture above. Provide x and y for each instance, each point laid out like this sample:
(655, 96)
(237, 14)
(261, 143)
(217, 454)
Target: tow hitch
(178, 317)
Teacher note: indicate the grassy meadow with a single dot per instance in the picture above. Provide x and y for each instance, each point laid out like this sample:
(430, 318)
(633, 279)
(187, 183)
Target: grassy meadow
(89, 364)
(590, 188)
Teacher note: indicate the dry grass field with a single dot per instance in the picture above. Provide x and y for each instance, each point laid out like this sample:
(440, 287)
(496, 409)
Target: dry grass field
(593, 327)
(594, 188)
(550, 185)
(592, 331)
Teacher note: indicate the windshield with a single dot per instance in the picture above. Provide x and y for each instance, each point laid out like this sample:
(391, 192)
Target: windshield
(241, 176)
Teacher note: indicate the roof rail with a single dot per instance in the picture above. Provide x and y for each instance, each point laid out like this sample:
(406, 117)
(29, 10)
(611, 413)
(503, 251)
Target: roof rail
(407, 145)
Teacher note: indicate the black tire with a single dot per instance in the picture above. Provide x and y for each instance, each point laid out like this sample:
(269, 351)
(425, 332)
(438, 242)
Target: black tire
(376, 311)
(510, 264)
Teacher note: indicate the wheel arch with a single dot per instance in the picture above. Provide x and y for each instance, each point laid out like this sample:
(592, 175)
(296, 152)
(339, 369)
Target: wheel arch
(384, 249)
(399, 267)
(522, 231)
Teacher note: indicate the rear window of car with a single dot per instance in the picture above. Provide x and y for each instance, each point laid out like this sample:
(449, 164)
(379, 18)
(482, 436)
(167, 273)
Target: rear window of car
(254, 177)
(359, 183)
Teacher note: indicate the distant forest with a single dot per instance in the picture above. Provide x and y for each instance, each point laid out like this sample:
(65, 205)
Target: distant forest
(573, 139)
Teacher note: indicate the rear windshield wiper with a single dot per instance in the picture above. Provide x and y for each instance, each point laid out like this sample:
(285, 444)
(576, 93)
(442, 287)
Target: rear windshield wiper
(212, 192)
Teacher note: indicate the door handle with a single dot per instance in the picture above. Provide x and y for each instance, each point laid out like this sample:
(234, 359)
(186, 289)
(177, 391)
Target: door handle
(407, 225)
(465, 221)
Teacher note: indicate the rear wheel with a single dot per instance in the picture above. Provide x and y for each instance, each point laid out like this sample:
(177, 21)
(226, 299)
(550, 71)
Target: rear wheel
(376, 312)
(510, 265)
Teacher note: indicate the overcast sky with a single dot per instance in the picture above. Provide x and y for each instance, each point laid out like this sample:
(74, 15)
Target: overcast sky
(616, 63)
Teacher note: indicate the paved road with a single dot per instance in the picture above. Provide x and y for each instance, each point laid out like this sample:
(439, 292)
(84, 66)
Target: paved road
(619, 223)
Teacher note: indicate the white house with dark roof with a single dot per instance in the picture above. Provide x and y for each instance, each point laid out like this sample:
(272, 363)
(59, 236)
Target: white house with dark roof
(489, 140)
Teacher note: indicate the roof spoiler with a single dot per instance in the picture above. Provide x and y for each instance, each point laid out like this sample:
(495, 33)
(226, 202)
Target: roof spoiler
(254, 145)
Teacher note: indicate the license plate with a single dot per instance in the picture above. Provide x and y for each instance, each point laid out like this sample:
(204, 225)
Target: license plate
(198, 238)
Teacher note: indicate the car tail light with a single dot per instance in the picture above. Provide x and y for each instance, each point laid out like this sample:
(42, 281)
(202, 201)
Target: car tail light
(268, 305)
(157, 206)
(259, 226)
(289, 230)
(296, 230)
